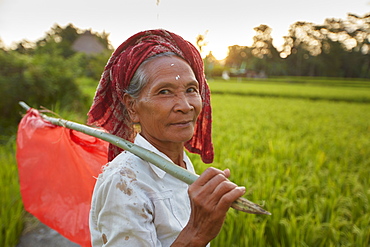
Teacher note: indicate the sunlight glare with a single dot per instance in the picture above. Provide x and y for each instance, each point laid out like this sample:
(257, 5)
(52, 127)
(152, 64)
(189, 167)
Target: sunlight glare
(220, 53)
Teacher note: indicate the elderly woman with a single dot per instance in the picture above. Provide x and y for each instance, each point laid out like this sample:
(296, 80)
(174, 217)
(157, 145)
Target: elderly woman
(155, 79)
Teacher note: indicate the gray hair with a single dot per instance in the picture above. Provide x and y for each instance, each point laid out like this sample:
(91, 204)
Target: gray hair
(141, 78)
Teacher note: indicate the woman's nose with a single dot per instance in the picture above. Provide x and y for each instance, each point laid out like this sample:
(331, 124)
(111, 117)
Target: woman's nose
(183, 103)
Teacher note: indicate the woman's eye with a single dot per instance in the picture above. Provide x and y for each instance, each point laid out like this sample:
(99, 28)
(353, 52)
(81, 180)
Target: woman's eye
(164, 91)
(192, 90)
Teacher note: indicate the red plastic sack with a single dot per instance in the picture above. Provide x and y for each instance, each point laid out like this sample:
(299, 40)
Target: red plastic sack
(57, 170)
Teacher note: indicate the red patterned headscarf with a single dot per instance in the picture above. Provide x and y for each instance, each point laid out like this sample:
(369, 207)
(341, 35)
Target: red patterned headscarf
(107, 110)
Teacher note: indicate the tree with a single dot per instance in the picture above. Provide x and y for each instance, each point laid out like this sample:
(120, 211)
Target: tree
(201, 41)
(299, 45)
(40, 80)
(237, 55)
(212, 66)
(359, 29)
(44, 73)
(336, 48)
(58, 40)
(268, 58)
(346, 45)
(262, 46)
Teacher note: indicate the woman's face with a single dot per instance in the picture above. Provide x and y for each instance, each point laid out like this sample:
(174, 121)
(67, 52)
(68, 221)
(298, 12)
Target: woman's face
(168, 106)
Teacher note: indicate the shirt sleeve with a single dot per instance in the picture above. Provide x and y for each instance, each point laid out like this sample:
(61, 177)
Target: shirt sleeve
(121, 214)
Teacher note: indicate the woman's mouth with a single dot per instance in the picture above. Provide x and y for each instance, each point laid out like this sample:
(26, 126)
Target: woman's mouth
(183, 123)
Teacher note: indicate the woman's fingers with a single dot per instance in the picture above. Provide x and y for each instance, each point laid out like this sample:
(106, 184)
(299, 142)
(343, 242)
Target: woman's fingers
(229, 197)
(207, 175)
(213, 189)
(227, 172)
(206, 184)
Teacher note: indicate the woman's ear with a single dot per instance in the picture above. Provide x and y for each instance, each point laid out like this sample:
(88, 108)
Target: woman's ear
(130, 104)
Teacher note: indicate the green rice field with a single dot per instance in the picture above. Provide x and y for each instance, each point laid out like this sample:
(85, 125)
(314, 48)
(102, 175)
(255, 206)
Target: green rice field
(11, 207)
(300, 146)
(302, 151)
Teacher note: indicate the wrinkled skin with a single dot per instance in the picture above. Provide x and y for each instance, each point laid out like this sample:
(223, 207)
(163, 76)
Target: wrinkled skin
(167, 109)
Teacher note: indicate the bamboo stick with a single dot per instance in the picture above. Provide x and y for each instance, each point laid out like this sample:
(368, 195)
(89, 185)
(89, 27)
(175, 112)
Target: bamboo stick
(184, 175)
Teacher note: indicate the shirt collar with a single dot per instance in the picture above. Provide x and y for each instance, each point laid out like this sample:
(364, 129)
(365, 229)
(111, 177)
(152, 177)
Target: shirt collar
(141, 141)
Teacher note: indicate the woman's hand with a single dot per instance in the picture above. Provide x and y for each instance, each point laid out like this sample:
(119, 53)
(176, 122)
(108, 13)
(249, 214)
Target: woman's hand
(211, 195)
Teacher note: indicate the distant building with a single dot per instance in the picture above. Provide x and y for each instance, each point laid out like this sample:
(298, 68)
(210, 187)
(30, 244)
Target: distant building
(88, 44)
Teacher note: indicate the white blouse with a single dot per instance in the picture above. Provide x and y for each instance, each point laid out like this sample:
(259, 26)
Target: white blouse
(137, 204)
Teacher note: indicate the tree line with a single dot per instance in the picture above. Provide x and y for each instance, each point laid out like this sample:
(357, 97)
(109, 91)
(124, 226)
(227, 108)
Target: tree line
(337, 48)
(45, 72)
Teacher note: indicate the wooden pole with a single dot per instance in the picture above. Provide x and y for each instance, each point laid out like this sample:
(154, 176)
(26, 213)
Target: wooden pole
(178, 172)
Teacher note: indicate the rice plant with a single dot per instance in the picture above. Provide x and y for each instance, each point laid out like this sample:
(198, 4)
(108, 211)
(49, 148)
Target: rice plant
(301, 149)
(283, 89)
(11, 207)
(307, 162)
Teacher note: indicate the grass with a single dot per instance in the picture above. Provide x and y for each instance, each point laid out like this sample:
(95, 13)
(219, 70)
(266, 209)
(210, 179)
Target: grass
(11, 206)
(299, 145)
(307, 161)
(303, 90)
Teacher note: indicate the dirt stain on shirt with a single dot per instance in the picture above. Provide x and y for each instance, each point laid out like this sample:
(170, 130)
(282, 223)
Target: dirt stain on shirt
(127, 172)
(144, 215)
(124, 188)
(104, 237)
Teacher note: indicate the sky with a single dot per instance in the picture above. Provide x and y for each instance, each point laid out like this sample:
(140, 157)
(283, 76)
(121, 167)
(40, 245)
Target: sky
(225, 23)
